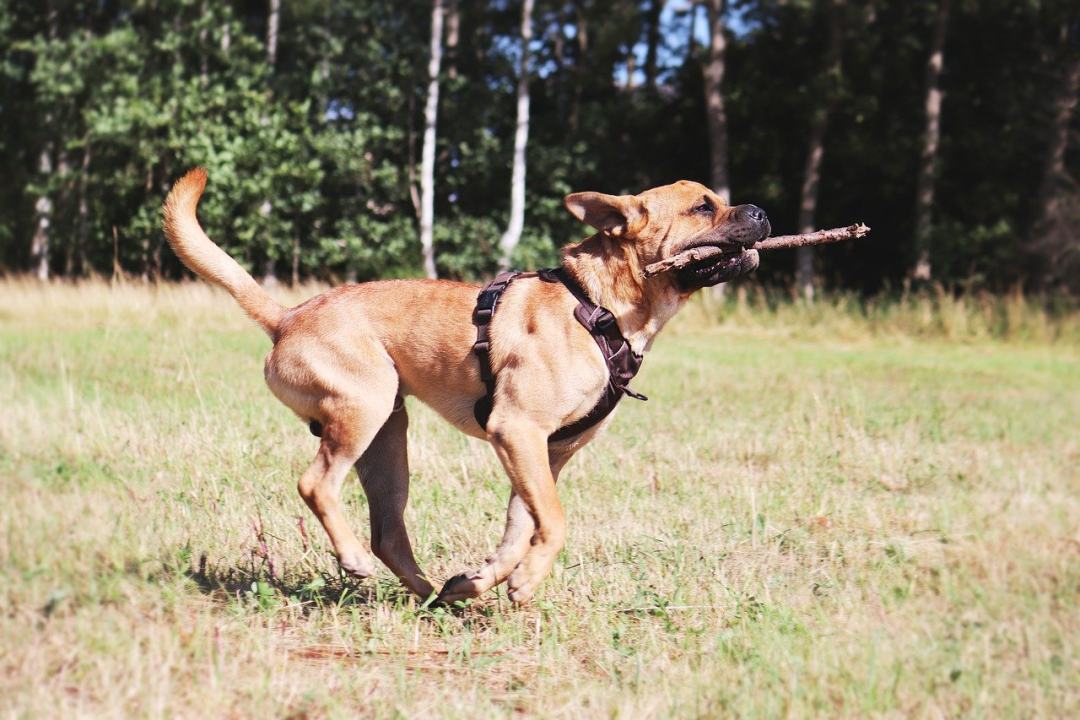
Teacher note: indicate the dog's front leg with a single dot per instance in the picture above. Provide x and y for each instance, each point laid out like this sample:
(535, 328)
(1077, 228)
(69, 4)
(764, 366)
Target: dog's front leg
(535, 525)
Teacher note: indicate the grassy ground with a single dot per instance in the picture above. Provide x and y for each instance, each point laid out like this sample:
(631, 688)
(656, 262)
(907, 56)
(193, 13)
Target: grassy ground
(832, 511)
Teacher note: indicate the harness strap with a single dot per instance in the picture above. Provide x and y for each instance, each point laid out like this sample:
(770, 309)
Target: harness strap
(486, 303)
(621, 361)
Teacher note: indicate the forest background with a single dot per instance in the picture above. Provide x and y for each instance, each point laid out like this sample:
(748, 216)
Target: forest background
(355, 140)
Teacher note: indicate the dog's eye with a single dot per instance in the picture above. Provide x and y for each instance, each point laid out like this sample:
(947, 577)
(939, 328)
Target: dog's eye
(705, 207)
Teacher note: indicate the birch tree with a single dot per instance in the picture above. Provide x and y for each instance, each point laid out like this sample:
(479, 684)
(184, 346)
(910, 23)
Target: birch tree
(924, 188)
(427, 157)
(273, 21)
(510, 239)
(716, 116)
(43, 207)
(815, 152)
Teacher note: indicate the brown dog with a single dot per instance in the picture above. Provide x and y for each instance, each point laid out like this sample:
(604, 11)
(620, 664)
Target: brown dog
(344, 360)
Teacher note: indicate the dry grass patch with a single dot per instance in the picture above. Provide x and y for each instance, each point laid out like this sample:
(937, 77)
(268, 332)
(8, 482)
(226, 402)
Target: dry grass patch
(834, 516)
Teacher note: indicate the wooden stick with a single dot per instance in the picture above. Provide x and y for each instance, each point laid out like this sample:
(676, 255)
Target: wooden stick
(780, 242)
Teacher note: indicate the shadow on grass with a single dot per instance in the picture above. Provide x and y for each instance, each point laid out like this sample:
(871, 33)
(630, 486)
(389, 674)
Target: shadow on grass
(256, 586)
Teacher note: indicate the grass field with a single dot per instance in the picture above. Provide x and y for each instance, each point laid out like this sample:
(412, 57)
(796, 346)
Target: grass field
(834, 511)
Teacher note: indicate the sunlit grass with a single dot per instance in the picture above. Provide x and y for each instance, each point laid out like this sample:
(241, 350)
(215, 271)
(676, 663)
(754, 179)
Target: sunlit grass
(848, 509)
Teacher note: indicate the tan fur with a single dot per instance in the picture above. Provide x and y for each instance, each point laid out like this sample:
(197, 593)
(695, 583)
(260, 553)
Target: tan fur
(345, 358)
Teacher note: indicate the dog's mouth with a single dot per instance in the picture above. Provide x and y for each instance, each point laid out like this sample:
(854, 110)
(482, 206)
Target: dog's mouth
(711, 265)
(730, 238)
(715, 270)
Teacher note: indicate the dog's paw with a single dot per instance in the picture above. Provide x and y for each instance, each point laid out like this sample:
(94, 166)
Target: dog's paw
(359, 566)
(466, 586)
(522, 585)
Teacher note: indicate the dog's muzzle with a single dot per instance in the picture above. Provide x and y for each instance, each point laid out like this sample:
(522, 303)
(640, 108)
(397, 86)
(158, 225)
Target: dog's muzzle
(714, 271)
(747, 225)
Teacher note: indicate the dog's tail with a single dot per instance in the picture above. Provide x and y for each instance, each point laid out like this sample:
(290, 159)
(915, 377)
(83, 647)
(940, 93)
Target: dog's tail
(204, 258)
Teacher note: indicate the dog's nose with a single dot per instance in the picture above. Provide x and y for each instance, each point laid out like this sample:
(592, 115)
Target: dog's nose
(754, 214)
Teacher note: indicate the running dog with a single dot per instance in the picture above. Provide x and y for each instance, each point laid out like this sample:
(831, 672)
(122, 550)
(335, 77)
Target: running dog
(344, 360)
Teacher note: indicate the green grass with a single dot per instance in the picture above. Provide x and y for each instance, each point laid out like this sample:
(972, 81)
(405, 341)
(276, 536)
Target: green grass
(838, 511)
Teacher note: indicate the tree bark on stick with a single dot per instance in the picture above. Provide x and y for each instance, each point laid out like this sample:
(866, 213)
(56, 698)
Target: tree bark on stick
(924, 188)
(779, 242)
(427, 158)
(510, 239)
(804, 259)
(715, 114)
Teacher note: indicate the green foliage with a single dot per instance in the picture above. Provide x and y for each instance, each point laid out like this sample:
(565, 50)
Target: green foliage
(313, 161)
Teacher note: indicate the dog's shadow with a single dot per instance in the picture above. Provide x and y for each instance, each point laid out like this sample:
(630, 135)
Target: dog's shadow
(254, 586)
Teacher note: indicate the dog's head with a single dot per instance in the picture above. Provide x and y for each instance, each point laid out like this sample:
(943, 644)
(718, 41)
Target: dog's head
(666, 220)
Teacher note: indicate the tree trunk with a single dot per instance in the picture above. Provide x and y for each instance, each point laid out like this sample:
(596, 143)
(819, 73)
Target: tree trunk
(582, 37)
(273, 22)
(715, 114)
(691, 31)
(226, 35)
(296, 259)
(427, 159)
(804, 257)
(652, 19)
(453, 35)
(83, 233)
(1049, 197)
(204, 67)
(43, 206)
(510, 239)
(924, 188)
(43, 211)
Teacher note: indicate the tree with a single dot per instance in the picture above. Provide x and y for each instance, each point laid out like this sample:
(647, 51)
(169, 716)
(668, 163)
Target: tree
(273, 21)
(924, 189)
(510, 239)
(815, 152)
(652, 42)
(427, 160)
(43, 210)
(716, 116)
(1054, 173)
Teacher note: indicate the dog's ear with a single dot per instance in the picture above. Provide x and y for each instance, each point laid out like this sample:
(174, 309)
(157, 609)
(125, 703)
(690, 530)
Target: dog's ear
(614, 215)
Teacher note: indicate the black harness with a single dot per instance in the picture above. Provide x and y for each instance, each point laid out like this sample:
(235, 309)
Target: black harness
(622, 362)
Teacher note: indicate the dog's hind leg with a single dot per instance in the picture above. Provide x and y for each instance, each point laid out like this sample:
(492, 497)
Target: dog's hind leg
(349, 425)
(384, 473)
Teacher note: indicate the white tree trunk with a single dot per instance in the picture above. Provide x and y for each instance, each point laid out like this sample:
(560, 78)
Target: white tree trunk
(716, 115)
(273, 21)
(43, 207)
(510, 239)
(427, 158)
(924, 189)
(804, 256)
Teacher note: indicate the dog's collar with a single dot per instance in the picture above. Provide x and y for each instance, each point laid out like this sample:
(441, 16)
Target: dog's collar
(622, 362)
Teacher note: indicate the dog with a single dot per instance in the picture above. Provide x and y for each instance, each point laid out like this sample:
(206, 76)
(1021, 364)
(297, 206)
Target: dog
(344, 360)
